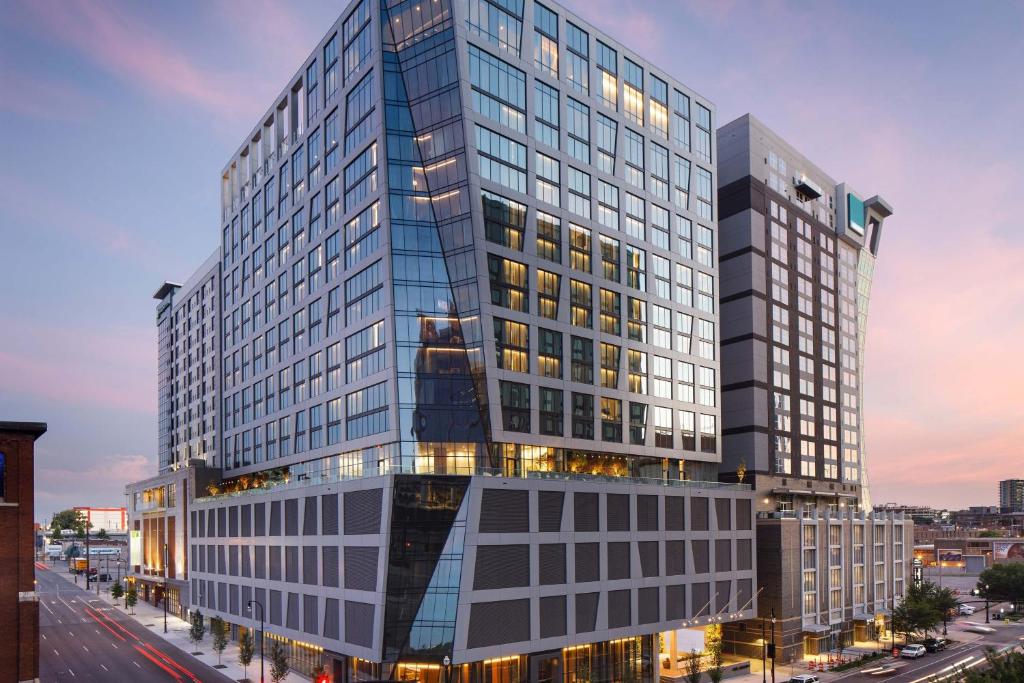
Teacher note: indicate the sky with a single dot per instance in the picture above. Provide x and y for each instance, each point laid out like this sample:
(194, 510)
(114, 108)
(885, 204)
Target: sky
(117, 117)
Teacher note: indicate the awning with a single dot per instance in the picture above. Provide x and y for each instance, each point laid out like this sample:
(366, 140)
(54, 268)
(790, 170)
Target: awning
(817, 628)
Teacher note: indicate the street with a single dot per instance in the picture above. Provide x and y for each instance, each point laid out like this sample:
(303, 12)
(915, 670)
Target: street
(82, 638)
(956, 655)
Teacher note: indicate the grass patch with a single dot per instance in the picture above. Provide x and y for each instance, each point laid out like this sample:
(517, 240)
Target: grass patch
(865, 658)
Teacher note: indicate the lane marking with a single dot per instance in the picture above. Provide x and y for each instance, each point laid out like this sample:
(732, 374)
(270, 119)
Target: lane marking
(136, 663)
(43, 635)
(56, 653)
(72, 672)
(85, 648)
(103, 666)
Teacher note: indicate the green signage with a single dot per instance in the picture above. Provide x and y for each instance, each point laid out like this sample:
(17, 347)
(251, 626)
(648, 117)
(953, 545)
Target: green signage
(855, 213)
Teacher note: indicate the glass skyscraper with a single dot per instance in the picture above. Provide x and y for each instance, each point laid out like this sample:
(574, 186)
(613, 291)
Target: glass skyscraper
(468, 375)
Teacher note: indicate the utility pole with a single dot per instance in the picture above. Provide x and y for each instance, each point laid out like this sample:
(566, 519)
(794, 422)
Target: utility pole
(773, 644)
(764, 651)
(88, 559)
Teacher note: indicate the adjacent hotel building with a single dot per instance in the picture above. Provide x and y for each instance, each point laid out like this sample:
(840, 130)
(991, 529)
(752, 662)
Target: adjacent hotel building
(449, 390)
(797, 251)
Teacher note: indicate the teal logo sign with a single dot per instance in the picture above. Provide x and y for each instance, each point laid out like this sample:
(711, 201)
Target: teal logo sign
(854, 213)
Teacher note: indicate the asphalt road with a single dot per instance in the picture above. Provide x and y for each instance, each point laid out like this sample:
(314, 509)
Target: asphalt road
(956, 655)
(82, 638)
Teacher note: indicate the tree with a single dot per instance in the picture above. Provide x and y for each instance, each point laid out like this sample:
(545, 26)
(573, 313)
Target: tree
(131, 598)
(693, 669)
(198, 628)
(246, 649)
(219, 631)
(1003, 582)
(278, 663)
(715, 672)
(116, 591)
(944, 600)
(990, 533)
(67, 519)
(102, 535)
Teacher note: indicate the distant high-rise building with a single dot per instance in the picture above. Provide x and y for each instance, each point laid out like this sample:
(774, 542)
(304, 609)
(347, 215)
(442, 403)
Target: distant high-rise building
(1011, 495)
(188, 358)
(468, 403)
(796, 255)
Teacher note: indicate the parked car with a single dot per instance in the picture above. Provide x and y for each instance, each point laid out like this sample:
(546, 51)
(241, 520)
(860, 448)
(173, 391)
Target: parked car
(105, 577)
(935, 644)
(912, 651)
(804, 678)
(967, 610)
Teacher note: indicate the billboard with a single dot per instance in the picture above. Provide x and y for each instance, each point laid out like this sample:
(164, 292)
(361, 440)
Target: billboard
(950, 555)
(1007, 551)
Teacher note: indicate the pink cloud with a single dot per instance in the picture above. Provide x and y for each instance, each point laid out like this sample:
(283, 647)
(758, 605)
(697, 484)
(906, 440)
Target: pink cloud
(98, 481)
(123, 44)
(85, 366)
(38, 97)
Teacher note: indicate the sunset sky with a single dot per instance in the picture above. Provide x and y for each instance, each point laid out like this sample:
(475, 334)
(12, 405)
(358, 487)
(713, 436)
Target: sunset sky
(116, 119)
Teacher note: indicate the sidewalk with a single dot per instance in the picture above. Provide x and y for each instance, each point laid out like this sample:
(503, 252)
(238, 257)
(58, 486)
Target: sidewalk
(152, 619)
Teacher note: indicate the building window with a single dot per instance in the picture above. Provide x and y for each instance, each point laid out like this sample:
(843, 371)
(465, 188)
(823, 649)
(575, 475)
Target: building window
(548, 291)
(663, 427)
(636, 268)
(582, 416)
(702, 136)
(512, 344)
(545, 40)
(367, 411)
(606, 132)
(577, 44)
(362, 236)
(502, 159)
(610, 360)
(681, 120)
(578, 128)
(607, 64)
(361, 178)
(611, 258)
(546, 109)
(548, 179)
(705, 195)
(581, 306)
(493, 23)
(637, 362)
(504, 220)
(687, 430)
(579, 248)
(681, 182)
(659, 107)
(582, 360)
(549, 353)
(708, 434)
(549, 237)
(498, 90)
(607, 205)
(515, 406)
(611, 420)
(364, 352)
(611, 312)
(509, 285)
(636, 322)
(579, 192)
(551, 411)
(363, 292)
(633, 153)
(637, 423)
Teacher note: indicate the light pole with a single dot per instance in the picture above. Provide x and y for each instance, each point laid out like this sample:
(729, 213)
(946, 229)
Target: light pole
(986, 604)
(447, 661)
(764, 651)
(249, 607)
(773, 644)
(165, 587)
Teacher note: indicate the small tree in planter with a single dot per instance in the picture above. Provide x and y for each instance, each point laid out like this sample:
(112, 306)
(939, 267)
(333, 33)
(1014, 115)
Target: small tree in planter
(219, 631)
(278, 663)
(693, 669)
(116, 592)
(131, 598)
(246, 649)
(197, 630)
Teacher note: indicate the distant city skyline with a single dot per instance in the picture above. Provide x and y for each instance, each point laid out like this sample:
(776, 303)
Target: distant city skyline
(122, 116)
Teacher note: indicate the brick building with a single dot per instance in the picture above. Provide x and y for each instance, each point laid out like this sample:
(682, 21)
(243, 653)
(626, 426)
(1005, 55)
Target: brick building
(19, 606)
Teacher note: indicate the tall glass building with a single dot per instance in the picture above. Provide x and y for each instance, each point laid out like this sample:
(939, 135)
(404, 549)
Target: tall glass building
(469, 397)
(797, 255)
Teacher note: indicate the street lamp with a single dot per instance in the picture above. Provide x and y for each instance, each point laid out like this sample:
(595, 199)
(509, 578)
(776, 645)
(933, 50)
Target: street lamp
(986, 604)
(447, 661)
(165, 587)
(764, 654)
(248, 606)
(773, 643)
